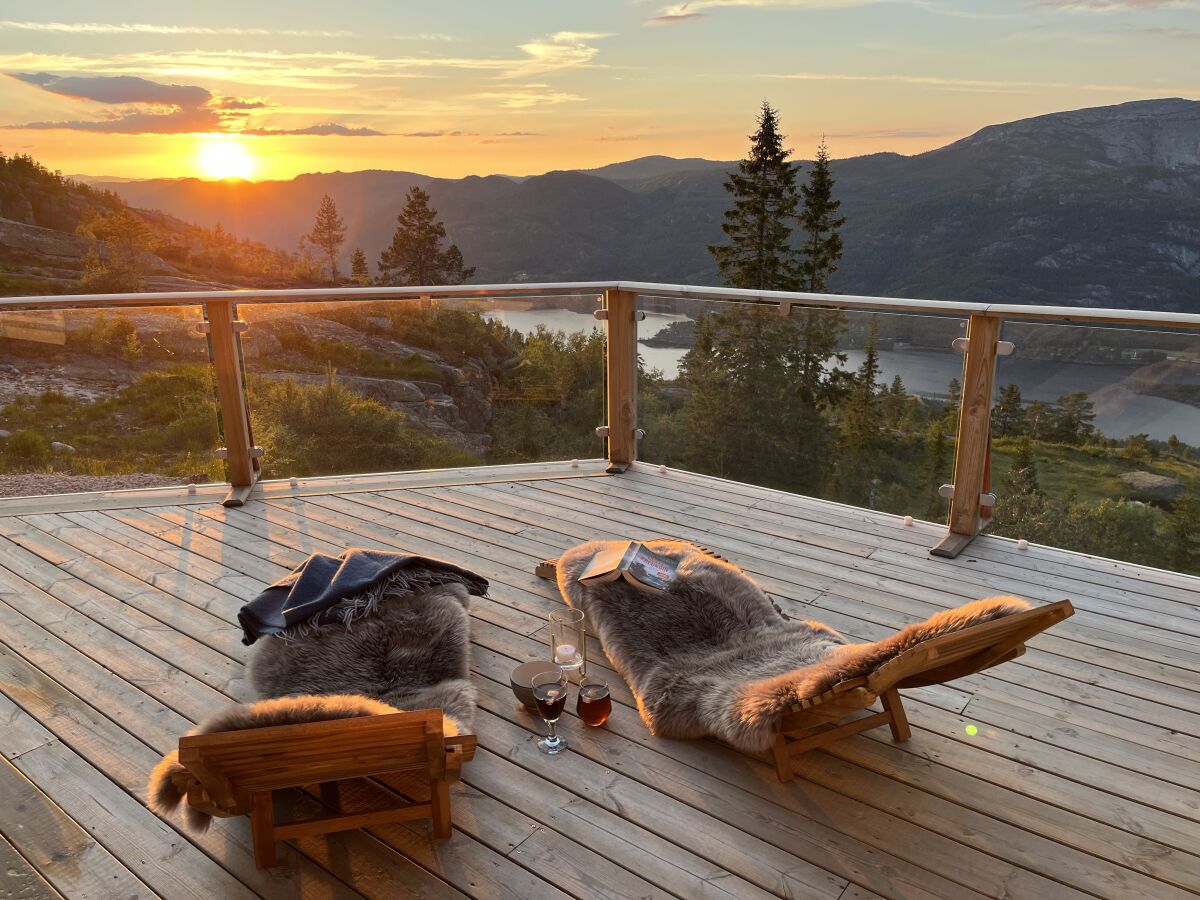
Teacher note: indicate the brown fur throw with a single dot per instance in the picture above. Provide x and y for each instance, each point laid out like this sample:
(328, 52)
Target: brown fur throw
(712, 656)
(411, 652)
(164, 797)
(408, 652)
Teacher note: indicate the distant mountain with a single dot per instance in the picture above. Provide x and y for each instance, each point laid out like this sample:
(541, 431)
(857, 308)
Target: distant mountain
(1090, 207)
(654, 167)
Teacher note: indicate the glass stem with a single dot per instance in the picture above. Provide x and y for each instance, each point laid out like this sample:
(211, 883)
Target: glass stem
(553, 735)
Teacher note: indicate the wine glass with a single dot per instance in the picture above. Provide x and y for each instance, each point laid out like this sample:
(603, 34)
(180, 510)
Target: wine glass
(550, 692)
(594, 704)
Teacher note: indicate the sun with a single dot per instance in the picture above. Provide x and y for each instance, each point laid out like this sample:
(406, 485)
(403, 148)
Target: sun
(226, 156)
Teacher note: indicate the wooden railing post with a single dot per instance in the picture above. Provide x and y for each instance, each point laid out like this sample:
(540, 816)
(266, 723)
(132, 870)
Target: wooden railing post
(974, 434)
(621, 321)
(240, 454)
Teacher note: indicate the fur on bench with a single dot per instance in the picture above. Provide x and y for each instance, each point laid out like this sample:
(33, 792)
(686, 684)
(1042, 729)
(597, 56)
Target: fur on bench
(408, 652)
(713, 655)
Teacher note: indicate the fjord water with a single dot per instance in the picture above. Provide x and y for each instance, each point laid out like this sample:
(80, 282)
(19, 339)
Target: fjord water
(1121, 410)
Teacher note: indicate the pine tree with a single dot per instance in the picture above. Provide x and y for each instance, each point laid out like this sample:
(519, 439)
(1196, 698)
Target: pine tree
(759, 254)
(1183, 531)
(820, 225)
(949, 415)
(328, 233)
(1008, 417)
(1076, 415)
(1022, 510)
(860, 444)
(415, 255)
(750, 411)
(937, 470)
(358, 266)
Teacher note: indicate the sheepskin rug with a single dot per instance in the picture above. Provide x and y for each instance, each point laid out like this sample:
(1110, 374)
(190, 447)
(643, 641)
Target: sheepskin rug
(408, 651)
(713, 655)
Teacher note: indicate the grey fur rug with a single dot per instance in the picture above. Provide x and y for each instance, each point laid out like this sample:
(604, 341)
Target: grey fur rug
(713, 656)
(408, 651)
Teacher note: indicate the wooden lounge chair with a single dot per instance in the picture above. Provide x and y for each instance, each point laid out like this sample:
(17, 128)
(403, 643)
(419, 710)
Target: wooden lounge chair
(820, 720)
(712, 655)
(232, 773)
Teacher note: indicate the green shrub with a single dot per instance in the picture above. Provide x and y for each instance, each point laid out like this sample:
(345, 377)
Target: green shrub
(329, 430)
(27, 447)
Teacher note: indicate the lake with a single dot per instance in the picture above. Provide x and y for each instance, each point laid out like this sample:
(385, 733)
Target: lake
(1120, 411)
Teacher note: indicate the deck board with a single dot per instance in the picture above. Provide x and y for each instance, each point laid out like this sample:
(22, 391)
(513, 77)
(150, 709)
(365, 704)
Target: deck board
(117, 633)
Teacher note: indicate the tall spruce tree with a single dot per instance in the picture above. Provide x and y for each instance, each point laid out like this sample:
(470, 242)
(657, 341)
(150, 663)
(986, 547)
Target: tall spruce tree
(415, 255)
(358, 266)
(820, 226)
(1008, 417)
(759, 254)
(328, 233)
(860, 443)
(759, 384)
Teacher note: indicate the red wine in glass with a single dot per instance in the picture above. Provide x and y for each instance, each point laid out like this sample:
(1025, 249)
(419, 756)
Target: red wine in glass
(551, 698)
(594, 705)
(550, 693)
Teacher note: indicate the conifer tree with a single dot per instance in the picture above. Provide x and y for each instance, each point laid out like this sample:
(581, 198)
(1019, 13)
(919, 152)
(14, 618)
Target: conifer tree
(1183, 532)
(937, 470)
(415, 255)
(860, 444)
(759, 253)
(328, 233)
(820, 226)
(358, 266)
(1022, 509)
(1008, 417)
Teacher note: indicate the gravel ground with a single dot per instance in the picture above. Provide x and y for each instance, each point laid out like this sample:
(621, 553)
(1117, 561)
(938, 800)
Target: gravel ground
(42, 483)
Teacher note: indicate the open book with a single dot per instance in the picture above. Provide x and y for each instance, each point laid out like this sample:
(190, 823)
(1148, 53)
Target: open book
(633, 562)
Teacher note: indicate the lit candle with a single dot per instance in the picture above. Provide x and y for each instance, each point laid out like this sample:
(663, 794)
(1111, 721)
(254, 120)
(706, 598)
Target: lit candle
(565, 653)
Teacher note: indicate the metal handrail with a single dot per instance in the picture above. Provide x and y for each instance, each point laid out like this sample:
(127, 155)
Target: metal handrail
(620, 317)
(847, 302)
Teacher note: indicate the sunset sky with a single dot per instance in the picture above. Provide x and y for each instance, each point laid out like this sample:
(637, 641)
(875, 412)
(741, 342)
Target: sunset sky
(269, 90)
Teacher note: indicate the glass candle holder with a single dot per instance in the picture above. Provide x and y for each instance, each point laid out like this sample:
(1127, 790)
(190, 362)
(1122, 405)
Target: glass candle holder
(568, 641)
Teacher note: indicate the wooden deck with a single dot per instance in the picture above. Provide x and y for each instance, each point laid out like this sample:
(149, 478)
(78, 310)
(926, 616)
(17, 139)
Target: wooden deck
(1079, 777)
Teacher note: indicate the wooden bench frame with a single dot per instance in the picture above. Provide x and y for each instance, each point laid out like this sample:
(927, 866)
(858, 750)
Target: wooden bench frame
(821, 720)
(233, 773)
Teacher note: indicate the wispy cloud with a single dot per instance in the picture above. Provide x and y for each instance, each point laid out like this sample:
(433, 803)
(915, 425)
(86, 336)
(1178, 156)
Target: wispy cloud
(150, 107)
(526, 96)
(557, 52)
(1112, 6)
(148, 28)
(682, 12)
(119, 89)
(988, 86)
(1175, 34)
(562, 50)
(324, 130)
(439, 134)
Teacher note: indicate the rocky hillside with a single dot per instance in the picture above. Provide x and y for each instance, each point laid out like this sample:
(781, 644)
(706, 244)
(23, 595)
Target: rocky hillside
(1091, 207)
(45, 241)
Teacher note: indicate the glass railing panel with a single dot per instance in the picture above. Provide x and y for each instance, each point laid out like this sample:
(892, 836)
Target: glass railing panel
(1096, 441)
(105, 400)
(849, 406)
(349, 387)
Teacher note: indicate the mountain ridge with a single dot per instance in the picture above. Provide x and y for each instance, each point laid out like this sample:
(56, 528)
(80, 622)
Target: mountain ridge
(1092, 207)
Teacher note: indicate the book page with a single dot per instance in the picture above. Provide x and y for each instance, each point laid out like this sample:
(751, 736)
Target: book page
(607, 561)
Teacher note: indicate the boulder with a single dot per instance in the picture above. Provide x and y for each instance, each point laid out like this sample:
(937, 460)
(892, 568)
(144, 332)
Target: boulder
(60, 447)
(1153, 488)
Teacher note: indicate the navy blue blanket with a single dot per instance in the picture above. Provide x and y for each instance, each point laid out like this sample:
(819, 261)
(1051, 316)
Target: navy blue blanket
(321, 582)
